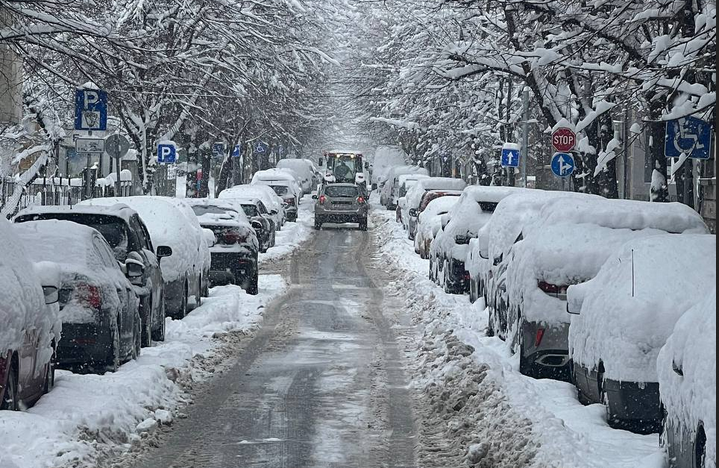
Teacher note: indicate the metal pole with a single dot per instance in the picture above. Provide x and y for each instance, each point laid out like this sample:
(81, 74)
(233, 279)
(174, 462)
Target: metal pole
(88, 179)
(118, 185)
(525, 135)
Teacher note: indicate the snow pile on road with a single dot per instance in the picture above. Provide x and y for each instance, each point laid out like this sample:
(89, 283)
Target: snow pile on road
(483, 412)
(629, 310)
(691, 398)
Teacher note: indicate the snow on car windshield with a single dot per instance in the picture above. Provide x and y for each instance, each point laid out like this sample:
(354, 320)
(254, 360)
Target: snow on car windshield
(341, 192)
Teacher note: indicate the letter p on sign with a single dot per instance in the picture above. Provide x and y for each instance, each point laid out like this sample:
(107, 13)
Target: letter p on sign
(166, 153)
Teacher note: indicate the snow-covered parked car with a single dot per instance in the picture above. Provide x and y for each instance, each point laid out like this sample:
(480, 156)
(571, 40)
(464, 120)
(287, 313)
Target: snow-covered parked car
(416, 195)
(99, 309)
(270, 199)
(405, 182)
(169, 226)
(449, 249)
(234, 253)
(304, 171)
(130, 240)
(388, 195)
(29, 324)
(568, 245)
(686, 368)
(429, 222)
(285, 186)
(626, 314)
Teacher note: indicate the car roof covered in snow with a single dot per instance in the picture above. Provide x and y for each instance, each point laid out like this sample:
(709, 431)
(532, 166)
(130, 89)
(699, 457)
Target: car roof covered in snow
(632, 305)
(690, 398)
(260, 192)
(630, 214)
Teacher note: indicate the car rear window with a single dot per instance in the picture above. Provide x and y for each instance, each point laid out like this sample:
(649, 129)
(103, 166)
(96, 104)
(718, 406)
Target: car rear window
(488, 207)
(250, 210)
(113, 229)
(209, 209)
(280, 190)
(341, 192)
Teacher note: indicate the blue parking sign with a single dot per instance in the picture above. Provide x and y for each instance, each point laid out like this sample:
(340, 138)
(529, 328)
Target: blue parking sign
(90, 109)
(166, 153)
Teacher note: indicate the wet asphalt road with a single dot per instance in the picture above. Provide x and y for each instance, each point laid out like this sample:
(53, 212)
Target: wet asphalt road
(322, 385)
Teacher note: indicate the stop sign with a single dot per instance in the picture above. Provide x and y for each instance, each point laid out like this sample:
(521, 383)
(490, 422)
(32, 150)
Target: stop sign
(564, 139)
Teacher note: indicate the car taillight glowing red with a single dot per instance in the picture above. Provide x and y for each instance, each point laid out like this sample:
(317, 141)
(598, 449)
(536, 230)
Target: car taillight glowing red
(290, 201)
(361, 200)
(89, 295)
(230, 237)
(552, 289)
(538, 337)
(323, 199)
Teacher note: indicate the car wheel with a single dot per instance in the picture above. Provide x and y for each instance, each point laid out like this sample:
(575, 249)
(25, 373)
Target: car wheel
(363, 225)
(446, 283)
(700, 449)
(198, 296)
(50, 376)
(114, 361)
(147, 321)
(184, 308)
(10, 395)
(159, 333)
(526, 367)
(253, 288)
(604, 398)
(490, 324)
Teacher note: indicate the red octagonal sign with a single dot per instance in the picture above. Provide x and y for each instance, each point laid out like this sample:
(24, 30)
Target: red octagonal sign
(564, 139)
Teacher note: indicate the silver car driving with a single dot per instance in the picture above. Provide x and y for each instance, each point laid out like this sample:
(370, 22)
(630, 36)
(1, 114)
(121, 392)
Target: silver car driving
(341, 203)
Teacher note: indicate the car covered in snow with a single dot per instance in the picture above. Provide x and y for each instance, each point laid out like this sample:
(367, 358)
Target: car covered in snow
(568, 245)
(29, 323)
(130, 240)
(429, 221)
(234, 253)
(449, 249)
(99, 309)
(272, 202)
(415, 197)
(390, 189)
(686, 368)
(626, 314)
(341, 203)
(170, 226)
(285, 186)
(405, 182)
(304, 170)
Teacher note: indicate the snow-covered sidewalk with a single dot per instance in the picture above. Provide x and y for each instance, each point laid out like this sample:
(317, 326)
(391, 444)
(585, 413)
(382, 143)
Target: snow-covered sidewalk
(84, 416)
(488, 413)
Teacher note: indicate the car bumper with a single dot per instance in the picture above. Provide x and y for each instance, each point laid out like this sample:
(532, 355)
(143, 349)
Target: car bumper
(231, 268)
(634, 405)
(341, 216)
(548, 348)
(84, 344)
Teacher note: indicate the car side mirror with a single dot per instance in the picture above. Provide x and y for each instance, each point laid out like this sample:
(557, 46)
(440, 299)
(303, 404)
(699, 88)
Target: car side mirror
(574, 305)
(315, 197)
(484, 254)
(413, 213)
(134, 269)
(209, 237)
(374, 186)
(498, 259)
(320, 163)
(52, 294)
(163, 251)
(257, 226)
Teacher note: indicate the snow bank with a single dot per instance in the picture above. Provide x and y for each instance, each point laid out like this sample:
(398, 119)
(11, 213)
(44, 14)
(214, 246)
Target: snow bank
(691, 398)
(629, 310)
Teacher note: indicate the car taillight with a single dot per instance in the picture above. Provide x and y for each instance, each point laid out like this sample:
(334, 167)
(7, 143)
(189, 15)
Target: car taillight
(89, 295)
(323, 199)
(230, 237)
(553, 290)
(538, 337)
(290, 201)
(361, 200)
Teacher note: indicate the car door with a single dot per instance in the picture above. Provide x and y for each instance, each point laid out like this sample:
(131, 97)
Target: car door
(262, 210)
(154, 273)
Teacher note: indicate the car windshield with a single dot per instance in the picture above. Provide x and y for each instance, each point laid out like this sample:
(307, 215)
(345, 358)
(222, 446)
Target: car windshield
(112, 228)
(250, 210)
(280, 190)
(341, 192)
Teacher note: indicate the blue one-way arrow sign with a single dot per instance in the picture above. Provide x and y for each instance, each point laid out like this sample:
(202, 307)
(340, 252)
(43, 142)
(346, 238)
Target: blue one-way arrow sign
(510, 155)
(689, 136)
(562, 164)
(90, 109)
